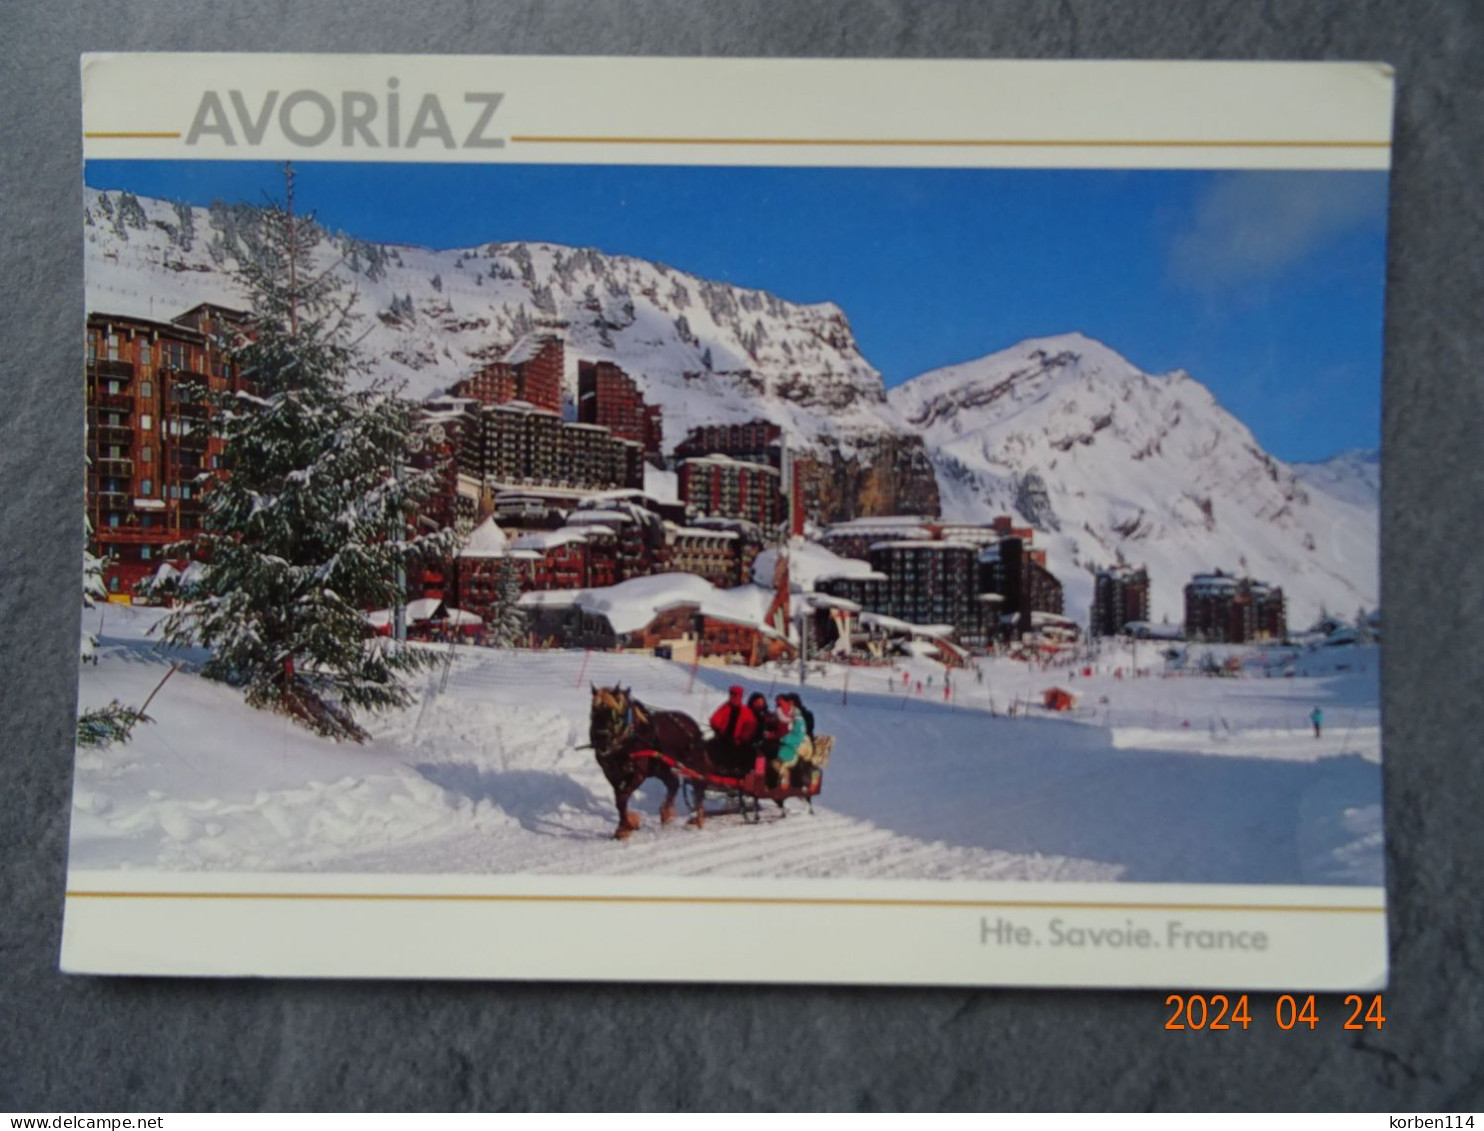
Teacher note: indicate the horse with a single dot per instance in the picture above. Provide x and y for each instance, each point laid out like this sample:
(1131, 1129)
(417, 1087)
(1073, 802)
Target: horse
(619, 727)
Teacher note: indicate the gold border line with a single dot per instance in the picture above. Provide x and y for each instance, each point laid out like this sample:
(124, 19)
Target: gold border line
(990, 143)
(777, 901)
(874, 142)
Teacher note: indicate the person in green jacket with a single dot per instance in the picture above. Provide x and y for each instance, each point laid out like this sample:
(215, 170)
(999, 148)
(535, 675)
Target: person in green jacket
(790, 730)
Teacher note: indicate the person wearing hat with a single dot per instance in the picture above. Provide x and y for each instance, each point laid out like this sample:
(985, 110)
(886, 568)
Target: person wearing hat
(735, 726)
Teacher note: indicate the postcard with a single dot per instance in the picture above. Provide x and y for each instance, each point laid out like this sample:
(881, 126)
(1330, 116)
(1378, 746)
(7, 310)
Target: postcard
(732, 520)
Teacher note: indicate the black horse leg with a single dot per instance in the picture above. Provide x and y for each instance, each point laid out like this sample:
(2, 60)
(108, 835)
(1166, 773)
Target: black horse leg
(627, 822)
(672, 786)
(698, 818)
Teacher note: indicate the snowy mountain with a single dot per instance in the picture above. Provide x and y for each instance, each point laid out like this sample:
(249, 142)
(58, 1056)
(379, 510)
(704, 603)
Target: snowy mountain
(707, 352)
(1354, 476)
(1118, 465)
(1110, 462)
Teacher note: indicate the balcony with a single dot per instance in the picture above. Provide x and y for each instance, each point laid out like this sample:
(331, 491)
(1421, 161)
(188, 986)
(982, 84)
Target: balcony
(118, 402)
(117, 370)
(115, 468)
(113, 434)
(153, 535)
(194, 439)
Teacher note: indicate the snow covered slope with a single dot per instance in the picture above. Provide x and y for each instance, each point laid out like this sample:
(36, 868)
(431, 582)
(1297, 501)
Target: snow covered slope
(707, 352)
(487, 776)
(1114, 464)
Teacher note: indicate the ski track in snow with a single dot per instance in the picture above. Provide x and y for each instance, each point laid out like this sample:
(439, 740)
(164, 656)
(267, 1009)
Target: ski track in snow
(484, 777)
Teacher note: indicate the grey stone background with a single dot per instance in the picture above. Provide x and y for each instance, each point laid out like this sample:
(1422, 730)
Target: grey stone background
(96, 1044)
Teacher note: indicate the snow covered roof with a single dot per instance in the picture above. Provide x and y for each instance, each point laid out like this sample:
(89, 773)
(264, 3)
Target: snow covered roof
(631, 605)
(1050, 619)
(718, 458)
(548, 539)
(924, 544)
(525, 348)
(825, 601)
(882, 621)
(549, 598)
(1214, 581)
(808, 564)
(700, 532)
(583, 517)
(523, 407)
(422, 609)
(618, 494)
(460, 616)
(877, 522)
(487, 540)
(724, 522)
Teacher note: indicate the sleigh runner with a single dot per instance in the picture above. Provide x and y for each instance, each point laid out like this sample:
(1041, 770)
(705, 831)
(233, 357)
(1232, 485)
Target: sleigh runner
(803, 780)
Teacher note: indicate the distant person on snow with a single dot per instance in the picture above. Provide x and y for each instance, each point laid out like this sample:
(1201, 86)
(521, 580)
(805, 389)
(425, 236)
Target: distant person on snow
(1316, 716)
(735, 727)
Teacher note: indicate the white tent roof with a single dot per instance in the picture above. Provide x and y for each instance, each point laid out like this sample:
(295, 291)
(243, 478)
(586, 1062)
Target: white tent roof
(486, 541)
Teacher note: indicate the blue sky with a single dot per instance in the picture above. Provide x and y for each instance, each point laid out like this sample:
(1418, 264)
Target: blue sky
(1266, 286)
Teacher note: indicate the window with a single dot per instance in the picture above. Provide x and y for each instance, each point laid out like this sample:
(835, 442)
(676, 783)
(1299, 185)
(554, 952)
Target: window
(92, 347)
(146, 422)
(147, 488)
(146, 455)
(146, 355)
(146, 389)
(144, 553)
(113, 347)
(113, 582)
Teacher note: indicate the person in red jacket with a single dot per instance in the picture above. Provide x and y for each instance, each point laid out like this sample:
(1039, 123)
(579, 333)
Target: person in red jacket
(735, 727)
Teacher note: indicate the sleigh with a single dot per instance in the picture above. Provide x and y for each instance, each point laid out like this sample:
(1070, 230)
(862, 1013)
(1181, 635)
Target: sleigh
(804, 779)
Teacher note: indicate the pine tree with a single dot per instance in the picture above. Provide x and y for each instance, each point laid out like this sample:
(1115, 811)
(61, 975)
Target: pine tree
(103, 726)
(309, 528)
(509, 629)
(93, 590)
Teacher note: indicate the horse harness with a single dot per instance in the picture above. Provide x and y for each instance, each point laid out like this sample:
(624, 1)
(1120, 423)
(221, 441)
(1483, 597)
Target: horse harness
(619, 737)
